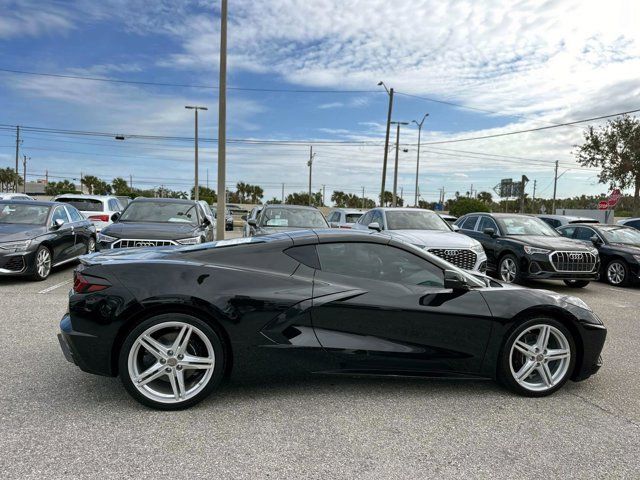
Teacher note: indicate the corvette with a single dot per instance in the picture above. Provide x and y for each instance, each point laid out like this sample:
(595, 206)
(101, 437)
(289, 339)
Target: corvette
(172, 322)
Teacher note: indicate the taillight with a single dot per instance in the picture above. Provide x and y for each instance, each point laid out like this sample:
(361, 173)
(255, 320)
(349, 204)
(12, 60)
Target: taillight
(100, 218)
(82, 284)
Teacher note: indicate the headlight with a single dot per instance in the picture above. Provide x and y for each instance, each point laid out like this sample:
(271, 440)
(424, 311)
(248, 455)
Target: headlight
(477, 248)
(577, 302)
(106, 238)
(594, 251)
(189, 241)
(20, 246)
(532, 250)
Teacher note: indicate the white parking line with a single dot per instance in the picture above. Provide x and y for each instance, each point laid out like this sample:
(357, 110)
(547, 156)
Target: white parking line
(53, 287)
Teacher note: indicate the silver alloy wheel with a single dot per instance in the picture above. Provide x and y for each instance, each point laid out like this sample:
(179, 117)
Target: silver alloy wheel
(616, 273)
(43, 262)
(91, 247)
(540, 358)
(508, 270)
(171, 362)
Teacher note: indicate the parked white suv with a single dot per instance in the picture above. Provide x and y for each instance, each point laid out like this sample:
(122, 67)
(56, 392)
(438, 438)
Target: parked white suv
(96, 208)
(14, 196)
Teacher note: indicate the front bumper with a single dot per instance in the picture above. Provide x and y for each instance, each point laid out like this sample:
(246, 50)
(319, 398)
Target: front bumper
(16, 263)
(539, 266)
(83, 349)
(593, 338)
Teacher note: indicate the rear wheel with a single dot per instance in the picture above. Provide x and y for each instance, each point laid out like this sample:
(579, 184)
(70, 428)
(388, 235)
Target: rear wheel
(617, 273)
(91, 245)
(537, 358)
(171, 361)
(508, 269)
(576, 283)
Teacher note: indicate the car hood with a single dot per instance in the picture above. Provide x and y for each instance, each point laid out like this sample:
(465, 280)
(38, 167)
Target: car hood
(150, 231)
(433, 238)
(551, 243)
(13, 232)
(626, 248)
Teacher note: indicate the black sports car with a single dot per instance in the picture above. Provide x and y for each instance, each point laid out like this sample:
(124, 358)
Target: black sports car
(618, 246)
(37, 236)
(173, 321)
(285, 218)
(520, 247)
(152, 222)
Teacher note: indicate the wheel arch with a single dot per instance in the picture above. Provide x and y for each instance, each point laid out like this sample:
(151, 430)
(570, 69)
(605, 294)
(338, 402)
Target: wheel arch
(555, 313)
(156, 309)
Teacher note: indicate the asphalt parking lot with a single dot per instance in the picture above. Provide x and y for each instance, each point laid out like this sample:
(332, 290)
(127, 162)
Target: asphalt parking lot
(57, 421)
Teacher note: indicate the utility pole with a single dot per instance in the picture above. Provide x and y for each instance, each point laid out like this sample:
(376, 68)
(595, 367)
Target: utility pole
(386, 142)
(394, 202)
(323, 186)
(196, 185)
(130, 182)
(24, 172)
(310, 165)
(363, 198)
(81, 187)
(15, 183)
(401, 195)
(222, 122)
(533, 198)
(525, 180)
(555, 185)
(46, 177)
(418, 159)
(282, 197)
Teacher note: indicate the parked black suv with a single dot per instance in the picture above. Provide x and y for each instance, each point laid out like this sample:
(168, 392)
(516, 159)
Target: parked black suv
(154, 222)
(618, 246)
(520, 247)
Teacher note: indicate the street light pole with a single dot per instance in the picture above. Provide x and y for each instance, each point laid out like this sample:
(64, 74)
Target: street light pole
(222, 123)
(418, 159)
(196, 188)
(386, 141)
(555, 185)
(310, 165)
(394, 202)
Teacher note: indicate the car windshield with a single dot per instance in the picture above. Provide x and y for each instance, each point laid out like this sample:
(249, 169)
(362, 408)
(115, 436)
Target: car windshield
(626, 235)
(23, 214)
(415, 220)
(352, 217)
(293, 217)
(160, 212)
(83, 204)
(526, 226)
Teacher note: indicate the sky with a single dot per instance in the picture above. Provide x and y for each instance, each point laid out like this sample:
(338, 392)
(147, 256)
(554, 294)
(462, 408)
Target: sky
(306, 72)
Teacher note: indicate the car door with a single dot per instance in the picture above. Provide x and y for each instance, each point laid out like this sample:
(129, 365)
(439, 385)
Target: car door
(490, 243)
(63, 242)
(81, 230)
(380, 307)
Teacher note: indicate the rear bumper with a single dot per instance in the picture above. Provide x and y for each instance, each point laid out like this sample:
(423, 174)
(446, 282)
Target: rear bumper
(84, 350)
(593, 338)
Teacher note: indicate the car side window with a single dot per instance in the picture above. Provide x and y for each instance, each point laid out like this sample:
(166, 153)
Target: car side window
(469, 223)
(377, 217)
(487, 222)
(335, 216)
(59, 214)
(567, 232)
(114, 205)
(74, 214)
(584, 234)
(378, 262)
(634, 224)
(366, 218)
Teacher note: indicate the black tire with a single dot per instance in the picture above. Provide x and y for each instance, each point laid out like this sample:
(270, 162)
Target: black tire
(504, 372)
(576, 283)
(36, 275)
(209, 387)
(92, 240)
(514, 261)
(621, 268)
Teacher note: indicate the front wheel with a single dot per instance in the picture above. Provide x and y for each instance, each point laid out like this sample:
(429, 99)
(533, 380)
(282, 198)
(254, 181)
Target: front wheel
(508, 269)
(617, 273)
(171, 361)
(43, 264)
(576, 283)
(537, 358)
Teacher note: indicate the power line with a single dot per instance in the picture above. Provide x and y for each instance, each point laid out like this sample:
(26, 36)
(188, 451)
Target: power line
(180, 85)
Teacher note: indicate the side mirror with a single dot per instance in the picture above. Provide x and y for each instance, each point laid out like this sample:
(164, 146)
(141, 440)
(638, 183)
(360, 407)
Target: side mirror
(115, 217)
(206, 222)
(489, 231)
(252, 222)
(244, 217)
(596, 240)
(58, 222)
(375, 226)
(333, 224)
(455, 281)
(455, 228)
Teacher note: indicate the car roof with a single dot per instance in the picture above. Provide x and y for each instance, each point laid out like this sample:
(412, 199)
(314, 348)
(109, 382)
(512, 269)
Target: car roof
(402, 209)
(84, 195)
(571, 218)
(39, 203)
(290, 207)
(347, 210)
(163, 200)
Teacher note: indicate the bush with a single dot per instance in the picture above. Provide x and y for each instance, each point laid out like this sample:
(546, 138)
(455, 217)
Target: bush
(464, 205)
